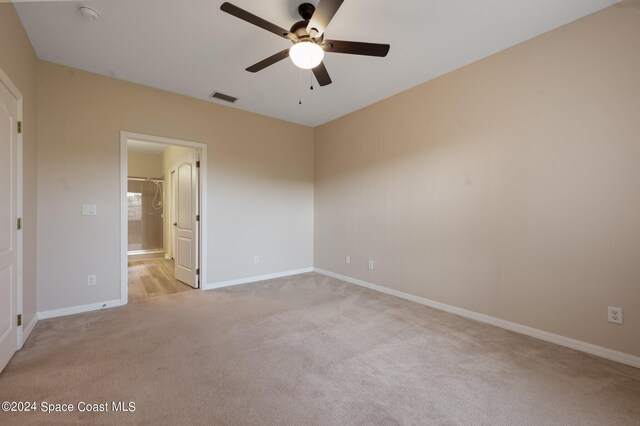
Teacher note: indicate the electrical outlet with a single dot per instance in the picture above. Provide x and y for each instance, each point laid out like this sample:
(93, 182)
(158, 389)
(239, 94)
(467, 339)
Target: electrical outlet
(615, 315)
(256, 259)
(91, 280)
(370, 264)
(89, 210)
(347, 260)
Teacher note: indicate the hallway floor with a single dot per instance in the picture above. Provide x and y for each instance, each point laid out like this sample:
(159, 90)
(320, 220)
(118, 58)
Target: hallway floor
(151, 278)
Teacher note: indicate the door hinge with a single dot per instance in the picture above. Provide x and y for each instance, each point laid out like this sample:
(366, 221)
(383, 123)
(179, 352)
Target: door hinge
(198, 271)
(197, 218)
(19, 223)
(19, 320)
(198, 164)
(19, 126)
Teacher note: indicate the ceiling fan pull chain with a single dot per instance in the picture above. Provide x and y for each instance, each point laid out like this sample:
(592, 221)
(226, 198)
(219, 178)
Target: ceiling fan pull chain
(311, 79)
(299, 86)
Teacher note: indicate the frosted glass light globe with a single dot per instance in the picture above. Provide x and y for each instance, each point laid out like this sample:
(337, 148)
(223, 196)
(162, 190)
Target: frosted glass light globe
(306, 54)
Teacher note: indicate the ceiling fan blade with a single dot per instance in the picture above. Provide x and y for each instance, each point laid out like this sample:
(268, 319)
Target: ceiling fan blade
(356, 48)
(322, 16)
(322, 75)
(269, 61)
(255, 20)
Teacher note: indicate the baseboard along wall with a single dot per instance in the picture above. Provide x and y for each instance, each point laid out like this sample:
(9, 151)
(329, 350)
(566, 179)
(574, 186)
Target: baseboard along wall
(27, 329)
(78, 309)
(247, 280)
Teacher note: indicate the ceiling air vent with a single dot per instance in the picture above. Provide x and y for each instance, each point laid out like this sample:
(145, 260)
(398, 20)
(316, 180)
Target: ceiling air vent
(223, 97)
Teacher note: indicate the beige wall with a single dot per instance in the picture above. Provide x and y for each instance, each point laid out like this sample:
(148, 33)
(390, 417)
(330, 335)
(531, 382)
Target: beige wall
(508, 187)
(144, 164)
(19, 62)
(260, 182)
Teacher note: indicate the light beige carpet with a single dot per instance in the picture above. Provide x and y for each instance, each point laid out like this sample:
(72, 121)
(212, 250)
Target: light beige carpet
(308, 350)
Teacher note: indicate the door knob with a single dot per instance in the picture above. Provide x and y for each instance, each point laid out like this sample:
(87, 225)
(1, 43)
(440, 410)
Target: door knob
(175, 223)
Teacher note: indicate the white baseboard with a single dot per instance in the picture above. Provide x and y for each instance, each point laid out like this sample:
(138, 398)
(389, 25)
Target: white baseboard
(589, 348)
(78, 309)
(26, 331)
(256, 278)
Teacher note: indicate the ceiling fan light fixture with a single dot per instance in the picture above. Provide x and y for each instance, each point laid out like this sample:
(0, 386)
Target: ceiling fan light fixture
(306, 54)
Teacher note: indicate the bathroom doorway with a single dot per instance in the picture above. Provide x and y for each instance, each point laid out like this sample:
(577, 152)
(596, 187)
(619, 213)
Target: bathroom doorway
(162, 216)
(145, 199)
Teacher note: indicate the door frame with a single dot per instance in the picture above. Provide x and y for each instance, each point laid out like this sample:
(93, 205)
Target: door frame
(6, 81)
(172, 214)
(202, 194)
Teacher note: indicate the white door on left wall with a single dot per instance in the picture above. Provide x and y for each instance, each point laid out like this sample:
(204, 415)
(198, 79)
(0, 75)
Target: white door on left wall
(8, 224)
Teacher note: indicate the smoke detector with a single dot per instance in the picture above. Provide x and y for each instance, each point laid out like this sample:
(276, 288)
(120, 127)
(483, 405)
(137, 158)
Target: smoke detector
(89, 13)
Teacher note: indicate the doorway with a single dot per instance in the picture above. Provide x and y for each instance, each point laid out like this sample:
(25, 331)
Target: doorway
(163, 206)
(145, 198)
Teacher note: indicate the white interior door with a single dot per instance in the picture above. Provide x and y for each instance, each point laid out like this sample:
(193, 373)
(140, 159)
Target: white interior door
(186, 204)
(8, 228)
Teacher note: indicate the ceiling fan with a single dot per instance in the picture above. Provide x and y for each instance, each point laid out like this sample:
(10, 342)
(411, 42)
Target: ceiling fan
(307, 36)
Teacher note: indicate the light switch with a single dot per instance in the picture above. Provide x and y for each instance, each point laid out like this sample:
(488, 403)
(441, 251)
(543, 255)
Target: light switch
(89, 210)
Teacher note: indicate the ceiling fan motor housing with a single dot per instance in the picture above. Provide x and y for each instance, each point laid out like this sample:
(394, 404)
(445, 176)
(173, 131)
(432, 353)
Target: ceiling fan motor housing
(306, 10)
(300, 30)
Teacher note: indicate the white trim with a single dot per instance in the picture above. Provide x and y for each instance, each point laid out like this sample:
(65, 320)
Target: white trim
(256, 278)
(170, 239)
(29, 328)
(6, 81)
(138, 252)
(54, 313)
(578, 345)
(202, 264)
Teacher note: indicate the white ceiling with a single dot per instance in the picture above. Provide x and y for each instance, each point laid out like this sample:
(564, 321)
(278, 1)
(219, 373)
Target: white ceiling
(192, 48)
